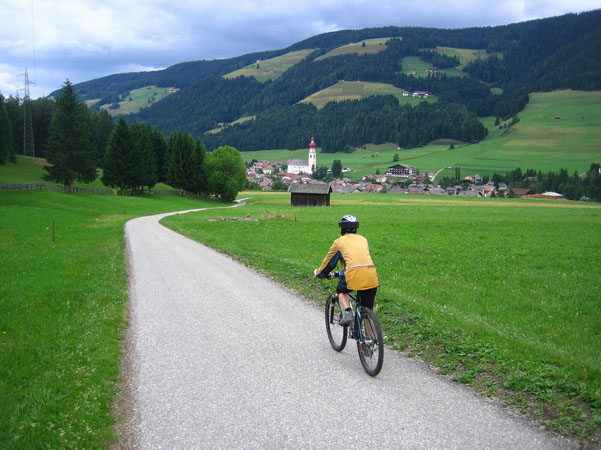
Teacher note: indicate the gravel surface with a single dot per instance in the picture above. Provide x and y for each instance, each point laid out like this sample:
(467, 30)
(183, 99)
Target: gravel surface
(221, 357)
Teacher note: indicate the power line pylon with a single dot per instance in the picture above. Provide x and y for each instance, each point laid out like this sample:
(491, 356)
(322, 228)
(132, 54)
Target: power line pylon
(28, 144)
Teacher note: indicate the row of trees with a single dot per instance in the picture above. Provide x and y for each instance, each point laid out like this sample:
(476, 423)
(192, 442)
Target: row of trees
(139, 156)
(135, 155)
(99, 124)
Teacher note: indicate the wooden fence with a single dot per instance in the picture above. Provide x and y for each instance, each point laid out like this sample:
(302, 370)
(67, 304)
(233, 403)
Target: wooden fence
(5, 187)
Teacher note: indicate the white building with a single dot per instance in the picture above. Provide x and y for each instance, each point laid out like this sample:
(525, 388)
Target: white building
(299, 166)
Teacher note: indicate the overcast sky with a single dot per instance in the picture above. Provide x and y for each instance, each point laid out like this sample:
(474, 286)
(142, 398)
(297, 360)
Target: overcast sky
(86, 39)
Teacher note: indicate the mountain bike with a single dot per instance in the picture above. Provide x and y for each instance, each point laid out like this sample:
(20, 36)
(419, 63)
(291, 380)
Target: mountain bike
(365, 329)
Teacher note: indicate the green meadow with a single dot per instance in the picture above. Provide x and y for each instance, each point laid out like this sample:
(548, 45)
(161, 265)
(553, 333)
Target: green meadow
(501, 295)
(63, 291)
(272, 68)
(413, 64)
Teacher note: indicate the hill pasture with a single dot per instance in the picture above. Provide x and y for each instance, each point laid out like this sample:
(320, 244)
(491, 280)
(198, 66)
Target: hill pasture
(272, 68)
(138, 99)
(356, 90)
(375, 45)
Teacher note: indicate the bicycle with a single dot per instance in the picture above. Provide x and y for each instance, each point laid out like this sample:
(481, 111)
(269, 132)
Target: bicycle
(365, 329)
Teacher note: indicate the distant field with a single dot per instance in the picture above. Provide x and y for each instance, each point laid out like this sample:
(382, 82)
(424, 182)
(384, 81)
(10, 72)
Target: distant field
(355, 90)
(270, 69)
(538, 141)
(371, 46)
(466, 55)
(140, 98)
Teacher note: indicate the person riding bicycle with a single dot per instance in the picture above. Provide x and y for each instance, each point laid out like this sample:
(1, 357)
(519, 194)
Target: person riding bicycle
(358, 270)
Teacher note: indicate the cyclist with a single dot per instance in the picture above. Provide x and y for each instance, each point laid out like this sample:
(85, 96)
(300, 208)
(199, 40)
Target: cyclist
(358, 270)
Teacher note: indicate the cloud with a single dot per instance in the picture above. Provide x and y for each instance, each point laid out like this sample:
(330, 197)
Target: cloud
(86, 39)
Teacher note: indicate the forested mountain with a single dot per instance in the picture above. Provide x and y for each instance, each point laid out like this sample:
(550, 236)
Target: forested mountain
(539, 55)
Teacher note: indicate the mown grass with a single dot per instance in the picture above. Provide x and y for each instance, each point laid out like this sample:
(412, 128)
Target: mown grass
(375, 45)
(272, 68)
(62, 316)
(502, 295)
(138, 99)
(356, 90)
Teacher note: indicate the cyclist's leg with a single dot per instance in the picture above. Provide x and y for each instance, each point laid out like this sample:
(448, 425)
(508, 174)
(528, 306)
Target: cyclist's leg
(367, 298)
(343, 295)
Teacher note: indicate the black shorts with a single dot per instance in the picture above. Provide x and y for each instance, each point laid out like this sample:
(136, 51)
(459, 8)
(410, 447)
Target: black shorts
(366, 297)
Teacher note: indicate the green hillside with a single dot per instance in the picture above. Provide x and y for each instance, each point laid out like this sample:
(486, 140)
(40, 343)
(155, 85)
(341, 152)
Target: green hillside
(537, 141)
(138, 99)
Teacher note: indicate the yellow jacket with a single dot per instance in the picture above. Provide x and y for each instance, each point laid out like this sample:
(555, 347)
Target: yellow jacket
(358, 270)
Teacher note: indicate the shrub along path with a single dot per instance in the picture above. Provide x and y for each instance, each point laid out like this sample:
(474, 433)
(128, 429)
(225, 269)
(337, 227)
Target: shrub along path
(224, 357)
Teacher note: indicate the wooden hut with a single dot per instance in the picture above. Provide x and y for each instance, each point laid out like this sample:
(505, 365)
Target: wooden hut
(313, 194)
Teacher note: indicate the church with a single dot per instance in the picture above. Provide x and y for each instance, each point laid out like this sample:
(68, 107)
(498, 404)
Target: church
(300, 166)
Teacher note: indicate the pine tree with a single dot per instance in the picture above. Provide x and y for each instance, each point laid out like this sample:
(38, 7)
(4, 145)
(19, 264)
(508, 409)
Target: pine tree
(146, 168)
(69, 150)
(6, 134)
(185, 168)
(120, 164)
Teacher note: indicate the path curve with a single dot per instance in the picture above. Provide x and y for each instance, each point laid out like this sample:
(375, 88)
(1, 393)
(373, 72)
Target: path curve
(221, 357)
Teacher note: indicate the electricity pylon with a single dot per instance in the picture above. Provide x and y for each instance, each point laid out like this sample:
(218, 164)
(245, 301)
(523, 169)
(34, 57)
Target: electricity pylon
(28, 145)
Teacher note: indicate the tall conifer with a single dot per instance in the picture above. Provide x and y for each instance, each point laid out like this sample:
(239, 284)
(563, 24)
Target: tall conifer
(69, 149)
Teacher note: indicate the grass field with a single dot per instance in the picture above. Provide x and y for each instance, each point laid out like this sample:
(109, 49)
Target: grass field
(62, 314)
(538, 141)
(356, 90)
(138, 99)
(272, 68)
(502, 295)
(375, 45)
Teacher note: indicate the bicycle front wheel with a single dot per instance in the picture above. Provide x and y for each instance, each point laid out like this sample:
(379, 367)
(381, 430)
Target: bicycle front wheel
(336, 333)
(371, 344)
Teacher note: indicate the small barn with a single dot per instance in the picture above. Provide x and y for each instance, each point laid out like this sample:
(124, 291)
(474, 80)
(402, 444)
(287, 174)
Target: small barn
(313, 194)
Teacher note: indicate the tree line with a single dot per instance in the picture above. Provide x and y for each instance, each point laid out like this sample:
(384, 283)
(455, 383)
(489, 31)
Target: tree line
(376, 119)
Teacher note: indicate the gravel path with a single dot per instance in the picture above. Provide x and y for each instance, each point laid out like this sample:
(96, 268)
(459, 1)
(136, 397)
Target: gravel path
(221, 357)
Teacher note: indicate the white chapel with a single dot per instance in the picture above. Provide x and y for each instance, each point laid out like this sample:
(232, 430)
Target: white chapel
(300, 166)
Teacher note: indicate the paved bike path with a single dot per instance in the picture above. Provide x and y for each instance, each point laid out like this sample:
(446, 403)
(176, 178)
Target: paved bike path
(223, 357)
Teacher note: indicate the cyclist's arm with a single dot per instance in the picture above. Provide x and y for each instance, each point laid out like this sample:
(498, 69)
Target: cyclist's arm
(329, 262)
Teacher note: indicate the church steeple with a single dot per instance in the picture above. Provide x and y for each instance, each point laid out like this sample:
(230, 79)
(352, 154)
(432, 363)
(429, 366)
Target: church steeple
(312, 156)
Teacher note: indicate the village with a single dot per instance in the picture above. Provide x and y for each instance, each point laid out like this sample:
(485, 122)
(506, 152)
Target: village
(398, 179)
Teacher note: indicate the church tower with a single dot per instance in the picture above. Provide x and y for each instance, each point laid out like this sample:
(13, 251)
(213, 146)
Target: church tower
(312, 156)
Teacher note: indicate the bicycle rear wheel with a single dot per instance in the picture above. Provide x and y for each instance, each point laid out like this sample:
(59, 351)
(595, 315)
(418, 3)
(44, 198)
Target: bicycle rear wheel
(371, 344)
(337, 333)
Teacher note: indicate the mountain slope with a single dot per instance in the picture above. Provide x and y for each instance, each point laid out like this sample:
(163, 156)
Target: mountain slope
(559, 52)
